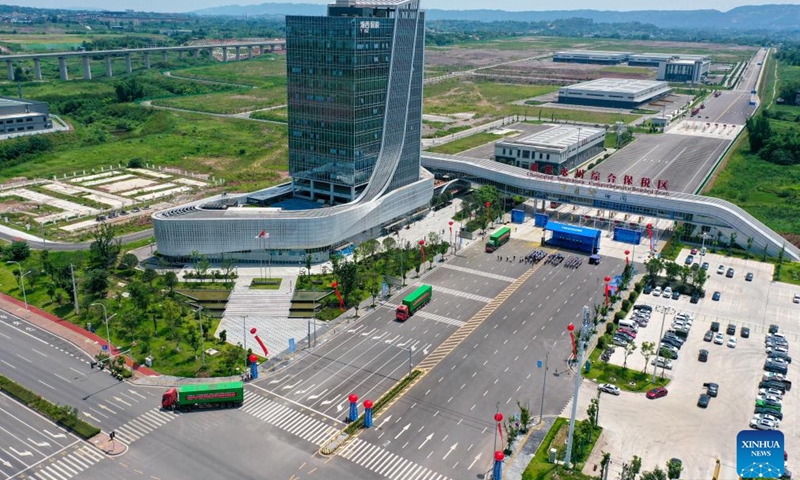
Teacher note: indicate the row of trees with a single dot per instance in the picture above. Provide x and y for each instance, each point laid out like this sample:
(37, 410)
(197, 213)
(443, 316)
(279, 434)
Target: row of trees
(781, 148)
(696, 278)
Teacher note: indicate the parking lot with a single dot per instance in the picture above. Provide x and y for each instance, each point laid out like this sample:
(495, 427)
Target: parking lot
(674, 426)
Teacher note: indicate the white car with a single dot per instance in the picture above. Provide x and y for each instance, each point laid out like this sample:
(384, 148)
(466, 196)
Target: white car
(719, 339)
(608, 388)
(765, 416)
(770, 398)
(732, 342)
(721, 269)
(657, 292)
(662, 362)
(771, 391)
(796, 298)
(667, 292)
(777, 350)
(764, 424)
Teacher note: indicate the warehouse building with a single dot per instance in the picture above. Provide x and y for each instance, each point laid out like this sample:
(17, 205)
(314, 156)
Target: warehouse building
(18, 116)
(552, 150)
(613, 92)
(591, 56)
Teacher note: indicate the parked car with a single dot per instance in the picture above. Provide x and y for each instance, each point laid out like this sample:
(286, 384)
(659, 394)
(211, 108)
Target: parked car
(711, 388)
(667, 292)
(715, 327)
(796, 298)
(764, 424)
(708, 336)
(773, 328)
(716, 296)
(719, 339)
(745, 332)
(769, 411)
(657, 292)
(767, 416)
(643, 308)
(662, 362)
(694, 251)
(703, 356)
(779, 356)
(689, 260)
(647, 289)
(777, 368)
(695, 298)
(729, 273)
(676, 295)
(731, 329)
(732, 342)
(772, 391)
(705, 266)
(657, 393)
(749, 276)
(721, 269)
(775, 348)
(609, 388)
(702, 402)
(669, 348)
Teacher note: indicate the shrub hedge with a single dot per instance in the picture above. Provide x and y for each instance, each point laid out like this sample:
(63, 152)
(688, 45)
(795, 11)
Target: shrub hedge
(63, 415)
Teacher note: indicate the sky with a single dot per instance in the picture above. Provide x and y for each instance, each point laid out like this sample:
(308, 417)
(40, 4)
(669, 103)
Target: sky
(510, 5)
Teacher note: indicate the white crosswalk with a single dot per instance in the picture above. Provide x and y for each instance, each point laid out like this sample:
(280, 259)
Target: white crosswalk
(289, 420)
(472, 271)
(386, 463)
(458, 293)
(440, 318)
(142, 425)
(70, 465)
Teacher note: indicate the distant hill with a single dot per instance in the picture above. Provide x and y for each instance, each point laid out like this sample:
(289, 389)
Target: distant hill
(760, 17)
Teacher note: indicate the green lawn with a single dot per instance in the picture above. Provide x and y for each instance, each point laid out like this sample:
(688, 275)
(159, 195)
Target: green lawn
(624, 378)
(276, 115)
(466, 143)
(540, 468)
(482, 97)
(574, 115)
(630, 70)
(260, 72)
(243, 100)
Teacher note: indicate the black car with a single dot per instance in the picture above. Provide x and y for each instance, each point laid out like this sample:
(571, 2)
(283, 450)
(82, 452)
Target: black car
(703, 356)
(708, 336)
(776, 367)
(773, 328)
(745, 332)
(676, 295)
(677, 336)
(729, 273)
(715, 327)
(702, 402)
(644, 308)
(647, 289)
(779, 355)
(712, 389)
(695, 298)
(672, 341)
(770, 411)
(731, 329)
(749, 276)
(773, 384)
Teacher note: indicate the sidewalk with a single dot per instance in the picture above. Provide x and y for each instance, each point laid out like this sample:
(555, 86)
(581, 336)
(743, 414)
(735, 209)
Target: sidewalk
(90, 343)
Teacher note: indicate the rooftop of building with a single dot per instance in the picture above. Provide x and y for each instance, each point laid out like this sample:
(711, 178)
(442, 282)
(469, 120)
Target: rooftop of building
(592, 52)
(618, 85)
(13, 102)
(557, 138)
(369, 3)
(667, 56)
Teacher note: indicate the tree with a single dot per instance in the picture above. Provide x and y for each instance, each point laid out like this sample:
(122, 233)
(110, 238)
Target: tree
(202, 267)
(629, 349)
(135, 163)
(604, 463)
(749, 245)
(370, 247)
(104, 249)
(228, 266)
(389, 244)
(174, 321)
(731, 243)
(647, 350)
(170, 281)
(593, 410)
(348, 279)
(128, 324)
(149, 276)
(18, 251)
(674, 469)
(655, 474)
(96, 282)
(684, 273)
(673, 269)
(128, 261)
(129, 90)
(654, 267)
(373, 285)
(699, 278)
(194, 341)
(140, 296)
(51, 291)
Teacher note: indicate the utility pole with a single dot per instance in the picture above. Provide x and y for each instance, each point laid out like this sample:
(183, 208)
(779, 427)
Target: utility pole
(583, 338)
(244, 340)
(544, 384)
(202, 338)
(22, 283)
(74, 289)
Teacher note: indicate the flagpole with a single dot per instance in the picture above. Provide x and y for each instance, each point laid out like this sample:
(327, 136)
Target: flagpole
(270, 257)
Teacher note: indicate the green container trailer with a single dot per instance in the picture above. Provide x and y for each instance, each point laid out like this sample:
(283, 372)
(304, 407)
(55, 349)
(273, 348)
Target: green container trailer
(413, 302)
(498, 239)
(227, 394)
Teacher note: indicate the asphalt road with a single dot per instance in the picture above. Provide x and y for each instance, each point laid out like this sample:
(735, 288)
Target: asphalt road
(60, 372)
(445, 423)
(733, 106)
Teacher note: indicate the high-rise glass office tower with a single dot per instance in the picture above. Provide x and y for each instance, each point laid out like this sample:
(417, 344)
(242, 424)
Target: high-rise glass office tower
(355, 99)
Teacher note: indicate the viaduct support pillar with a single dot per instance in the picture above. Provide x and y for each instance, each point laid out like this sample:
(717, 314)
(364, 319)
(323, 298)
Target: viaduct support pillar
(224, 54)
(87, 68)
(180, 54)
(62, 68)
(128, 66)
(109, 72)
(147, 60)
(238, 54)
(37, 69)
(164, 55)
(10, 66)
(250, 52)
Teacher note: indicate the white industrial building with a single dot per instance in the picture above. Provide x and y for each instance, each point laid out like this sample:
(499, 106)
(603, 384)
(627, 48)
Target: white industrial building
(674, 67)
(18, 115)
(613, 92)
(591, 56)
(552, 150)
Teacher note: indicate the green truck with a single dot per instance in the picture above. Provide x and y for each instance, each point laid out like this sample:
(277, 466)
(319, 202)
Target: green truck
(498, 239)
(418, 299)
(204, 395)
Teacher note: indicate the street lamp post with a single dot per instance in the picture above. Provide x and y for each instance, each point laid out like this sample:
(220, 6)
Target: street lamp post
(664, 311)
(202, 338)
(22, 283)
(105, 320)
(244, 340)
(544, 384)
(703, 236)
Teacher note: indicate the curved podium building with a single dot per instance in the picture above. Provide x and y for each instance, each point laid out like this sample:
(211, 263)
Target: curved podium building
(355, 115)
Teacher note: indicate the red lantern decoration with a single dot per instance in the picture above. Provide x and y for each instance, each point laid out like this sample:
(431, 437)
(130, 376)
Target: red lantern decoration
(498, 455)
(367, 403)
(498, 417)
(627, 261)
(571, 330)
(353, 398)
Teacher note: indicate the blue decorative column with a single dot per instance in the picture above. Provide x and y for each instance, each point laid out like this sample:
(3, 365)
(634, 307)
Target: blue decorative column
(353, 407)
(367, 413)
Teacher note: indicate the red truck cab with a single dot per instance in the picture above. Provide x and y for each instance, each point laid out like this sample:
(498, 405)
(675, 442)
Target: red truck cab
(169, 399)
(402, 313)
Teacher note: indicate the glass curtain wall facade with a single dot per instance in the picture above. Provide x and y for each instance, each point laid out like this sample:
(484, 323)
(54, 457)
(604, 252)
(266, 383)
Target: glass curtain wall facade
(343, 70)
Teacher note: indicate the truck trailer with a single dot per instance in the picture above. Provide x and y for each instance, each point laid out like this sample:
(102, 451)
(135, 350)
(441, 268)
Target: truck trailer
(413, 302)
(498, 239)
(204, 395)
